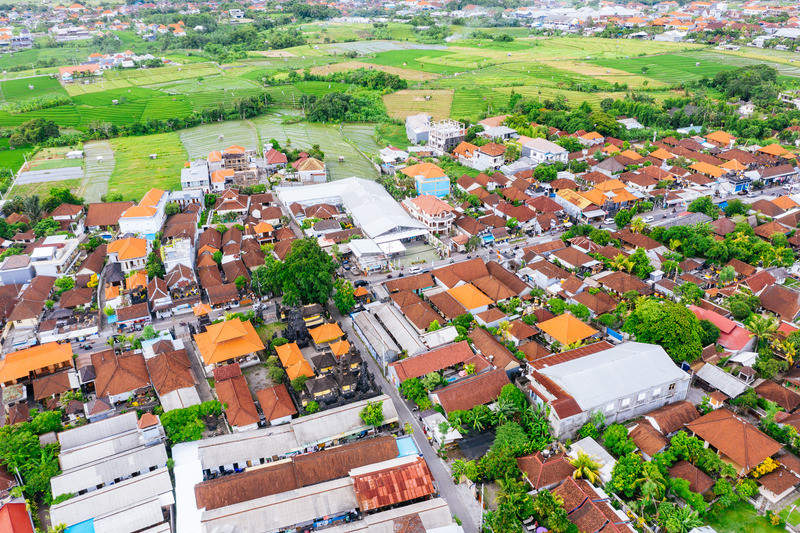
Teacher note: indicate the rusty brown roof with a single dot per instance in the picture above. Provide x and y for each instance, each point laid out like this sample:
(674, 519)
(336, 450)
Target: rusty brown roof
(479, 389)
(397, 484)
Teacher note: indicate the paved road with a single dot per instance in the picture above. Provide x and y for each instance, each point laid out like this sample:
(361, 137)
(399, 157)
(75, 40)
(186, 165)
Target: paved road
(458, 498)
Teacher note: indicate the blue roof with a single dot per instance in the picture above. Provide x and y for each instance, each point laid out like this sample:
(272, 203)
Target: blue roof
(406, 446)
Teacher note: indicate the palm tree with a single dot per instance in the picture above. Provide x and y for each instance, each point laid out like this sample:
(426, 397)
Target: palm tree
(586, 467)
(457, 470)
(33, 209)
(620, 262)
(762, 328)
(786, 349)
(504, 327)
(504, 409)
(512, 494)
(652, 482)
(674, 244)
(638, 224)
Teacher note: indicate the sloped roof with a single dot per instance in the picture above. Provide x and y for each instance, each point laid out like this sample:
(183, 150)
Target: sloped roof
(648, 439)
(128, 248)
(479, 389)
(275, 402)
(567, 329)
(228, 340)
(402, 480)
(672, 417)
(170, 371)
(118, 374)
(240, 409)
(19, 364)
(699, 482)
(740, 441)
(544, 471)
(293, 361)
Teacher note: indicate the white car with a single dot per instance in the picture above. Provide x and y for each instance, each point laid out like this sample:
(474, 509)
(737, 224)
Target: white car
(414, 270)
(649, 219)
(609, 222)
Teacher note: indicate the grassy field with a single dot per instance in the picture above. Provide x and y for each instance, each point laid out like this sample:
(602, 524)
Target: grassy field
(437, 103)
(741, 518)
(135, 173)
(20, 90)
(668, 68)
(405, 73)
(43, 189)
(201, 140)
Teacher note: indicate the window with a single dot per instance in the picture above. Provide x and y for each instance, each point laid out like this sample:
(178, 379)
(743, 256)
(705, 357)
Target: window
(671, 387)
(625, 403)
(656, 391)
(610, 407)
(641, 397)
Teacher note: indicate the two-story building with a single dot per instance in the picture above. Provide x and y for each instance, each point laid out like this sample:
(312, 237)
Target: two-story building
(148, 217)
(428, 179)
(544, 151)
(436, 214)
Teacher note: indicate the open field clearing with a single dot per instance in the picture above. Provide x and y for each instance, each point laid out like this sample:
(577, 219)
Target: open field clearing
(330, 140)
(376, 47)
(469, 103)
(433, 61)
(135, 173)
(100, 164)
(405, 73)
(206, 84)
(201, 140)
(23, 89)
(670, 68)
(42, 189)
(113, 79)
(608, 75)
(274, 53)
(437, 103)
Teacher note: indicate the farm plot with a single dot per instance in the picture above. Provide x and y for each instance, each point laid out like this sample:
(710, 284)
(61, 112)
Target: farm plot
(201, 140)
(100, 164)
(411, 102)
(374, 47)
(42, 189)
(669, 68)
(434, 61)
(143, 77)
(405, 73)
(330, 140)
(24, 89)
(135, 172)
(469, 103)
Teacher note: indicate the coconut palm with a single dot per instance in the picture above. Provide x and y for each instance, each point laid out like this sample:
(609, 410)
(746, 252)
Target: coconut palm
(33, 208)
(674, 244)
(651, 482)
(762, 328)
(504, 327)
(512, 494)
(504, 409)
(620, 262)
(586, 467)
(638, 224)
(457, 470)
(786, 349)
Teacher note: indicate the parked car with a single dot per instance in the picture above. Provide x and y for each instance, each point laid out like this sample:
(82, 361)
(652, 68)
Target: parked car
(609, 222)
(361, 283)
(649, 219)
(414, 270)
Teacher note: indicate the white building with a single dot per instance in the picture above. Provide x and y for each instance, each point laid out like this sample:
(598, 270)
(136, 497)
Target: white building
(544, 151)
(621, 382)
(55, 256)
(445, 135)
(436, 214)
(196, 176)
(418, 127)
(148, 217)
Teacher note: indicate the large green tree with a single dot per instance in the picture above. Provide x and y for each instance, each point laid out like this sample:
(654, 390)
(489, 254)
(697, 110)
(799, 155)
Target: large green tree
(306, 275)
(344, 295)
(670, 325)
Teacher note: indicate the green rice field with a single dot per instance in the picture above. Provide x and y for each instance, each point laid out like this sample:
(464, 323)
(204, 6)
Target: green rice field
(135, 173)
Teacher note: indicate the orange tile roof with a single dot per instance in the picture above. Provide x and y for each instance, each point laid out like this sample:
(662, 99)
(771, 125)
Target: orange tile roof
(233, 150)
(19, 364)
(326, 333)
(784, 202)
(138, 279)
(425, 170)
(773, 149)
(393, 485)
(630, 154)
(112, 291)
(152, 198)
(218, 176)
(263, 227)
(610, 185)
(567, 329)
(595, 196)
(469, 296)
(662, 154)
(228, 340)
(431, 205)
(201, 309)
(128, 248)
(293, 361)
(721, 137)
(142, 211)
(733, 164)
(707, 169)
(340, 347)
(215, 156)
(623, 195)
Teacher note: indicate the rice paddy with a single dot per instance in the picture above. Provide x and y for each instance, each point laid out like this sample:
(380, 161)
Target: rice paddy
(135, 172)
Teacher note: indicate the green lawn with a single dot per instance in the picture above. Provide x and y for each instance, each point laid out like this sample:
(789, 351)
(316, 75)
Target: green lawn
(266, 331)
(392, 134)
(13, 159)
(135, 173)
(670, 68)
(50, 164)
(741, 518)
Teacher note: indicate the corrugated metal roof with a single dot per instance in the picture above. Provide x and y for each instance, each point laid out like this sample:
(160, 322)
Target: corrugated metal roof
(392, 482)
